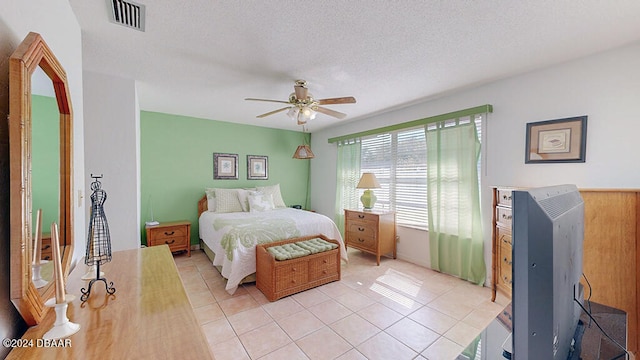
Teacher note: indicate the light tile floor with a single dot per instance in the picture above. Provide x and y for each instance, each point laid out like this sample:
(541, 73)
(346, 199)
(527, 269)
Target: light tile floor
(397, 310)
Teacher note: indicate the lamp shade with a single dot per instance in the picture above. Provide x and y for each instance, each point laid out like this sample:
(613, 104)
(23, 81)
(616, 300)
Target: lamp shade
(303, 152)
(368, 181)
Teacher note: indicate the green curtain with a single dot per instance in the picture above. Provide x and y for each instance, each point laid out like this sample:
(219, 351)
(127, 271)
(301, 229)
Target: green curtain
(348, 175)
(453, 201)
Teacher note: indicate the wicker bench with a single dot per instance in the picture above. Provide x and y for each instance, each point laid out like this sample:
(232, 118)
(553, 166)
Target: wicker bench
(277, 279)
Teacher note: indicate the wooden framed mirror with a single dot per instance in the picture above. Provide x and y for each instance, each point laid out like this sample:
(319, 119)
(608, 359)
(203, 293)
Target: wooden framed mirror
(40, 132)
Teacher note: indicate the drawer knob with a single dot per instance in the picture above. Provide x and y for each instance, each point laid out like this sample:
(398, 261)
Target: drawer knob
(46, 247)
(170, 242)
(361, 240)
(325, 261)
(169, 233)
(324, 272)
(293, 269)
(506, 280)
(506, 197)
(360, 216)
(506, 217)
(506, 261)
(505, 240)
(360, 229)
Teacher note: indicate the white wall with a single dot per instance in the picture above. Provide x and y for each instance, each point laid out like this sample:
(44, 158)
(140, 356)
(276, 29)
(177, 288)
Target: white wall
(111, 149)
(605, 86)
(56, 22)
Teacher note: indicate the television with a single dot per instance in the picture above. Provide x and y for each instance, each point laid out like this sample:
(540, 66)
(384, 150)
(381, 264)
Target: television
(548, 231)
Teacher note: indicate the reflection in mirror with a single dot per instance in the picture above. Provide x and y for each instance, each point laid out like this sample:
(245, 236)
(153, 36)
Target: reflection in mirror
(37, 263)
(45, 171)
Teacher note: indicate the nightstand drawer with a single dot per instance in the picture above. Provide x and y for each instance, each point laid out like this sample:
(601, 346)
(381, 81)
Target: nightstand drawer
(361, 229)
(362, 216)
(168, 232)
(175, 242)
(46, 251)
(360, 241)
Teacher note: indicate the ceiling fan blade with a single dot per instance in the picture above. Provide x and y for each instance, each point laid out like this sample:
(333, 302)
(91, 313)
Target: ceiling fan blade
(273, 112)
(268, 100)
(301, 92)
(340, 100)
(335, 114)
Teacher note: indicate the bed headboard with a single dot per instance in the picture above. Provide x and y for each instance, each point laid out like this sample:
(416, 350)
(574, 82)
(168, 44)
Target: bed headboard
(202, 205)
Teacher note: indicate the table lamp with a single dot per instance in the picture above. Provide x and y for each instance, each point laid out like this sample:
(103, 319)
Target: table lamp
(368, 181)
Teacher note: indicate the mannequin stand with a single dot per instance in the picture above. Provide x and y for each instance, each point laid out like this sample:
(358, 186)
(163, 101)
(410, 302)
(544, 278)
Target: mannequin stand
(91, 273)
(108, 286)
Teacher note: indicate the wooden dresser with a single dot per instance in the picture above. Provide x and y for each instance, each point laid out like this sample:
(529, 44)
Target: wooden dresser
(501, 242)
(148, 317)
(176, 234)
(371, 231)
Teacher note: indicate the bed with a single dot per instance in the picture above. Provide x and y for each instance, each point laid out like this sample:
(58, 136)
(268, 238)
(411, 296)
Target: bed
(229, 238)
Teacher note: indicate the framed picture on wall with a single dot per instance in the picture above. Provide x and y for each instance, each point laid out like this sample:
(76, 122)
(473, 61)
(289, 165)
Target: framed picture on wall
(225, 166)
(257, 167)
(561, 140)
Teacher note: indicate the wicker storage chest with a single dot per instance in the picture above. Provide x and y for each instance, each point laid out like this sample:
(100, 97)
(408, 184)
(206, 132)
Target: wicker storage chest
(277, 279)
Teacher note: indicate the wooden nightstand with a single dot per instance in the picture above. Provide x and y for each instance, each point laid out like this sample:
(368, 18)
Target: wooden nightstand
(371, 231)
(45, 246)
(176, 234)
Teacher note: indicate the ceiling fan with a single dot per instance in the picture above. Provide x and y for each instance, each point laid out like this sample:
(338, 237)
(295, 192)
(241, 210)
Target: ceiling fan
(303, 107)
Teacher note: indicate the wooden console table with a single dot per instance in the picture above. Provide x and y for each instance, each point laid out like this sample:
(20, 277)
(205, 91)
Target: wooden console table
(148, 317)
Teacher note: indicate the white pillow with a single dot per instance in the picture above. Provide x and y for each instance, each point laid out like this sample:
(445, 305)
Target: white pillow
(259, 202)
(274, 190)
(211, 199)
(243, 197)
(227, 201)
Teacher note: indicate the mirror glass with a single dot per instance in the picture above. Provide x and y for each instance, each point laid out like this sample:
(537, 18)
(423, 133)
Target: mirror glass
(40, 152)
(45, 173)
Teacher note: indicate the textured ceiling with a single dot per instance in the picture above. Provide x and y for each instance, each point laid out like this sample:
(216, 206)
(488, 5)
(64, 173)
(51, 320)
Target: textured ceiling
(201, 58)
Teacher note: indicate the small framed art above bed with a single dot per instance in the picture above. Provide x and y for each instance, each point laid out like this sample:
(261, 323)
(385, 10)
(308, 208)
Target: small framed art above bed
(233, 221)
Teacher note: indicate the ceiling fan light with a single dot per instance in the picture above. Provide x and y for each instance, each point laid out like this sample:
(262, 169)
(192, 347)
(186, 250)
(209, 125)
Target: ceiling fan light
(293, 113)
(305, 114)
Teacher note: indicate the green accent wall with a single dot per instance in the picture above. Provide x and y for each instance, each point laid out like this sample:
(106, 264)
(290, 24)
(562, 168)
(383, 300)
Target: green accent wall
(45, 160)
(176, 163)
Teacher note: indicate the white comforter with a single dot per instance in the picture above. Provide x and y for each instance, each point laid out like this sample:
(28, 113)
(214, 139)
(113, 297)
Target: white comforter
(233, 236)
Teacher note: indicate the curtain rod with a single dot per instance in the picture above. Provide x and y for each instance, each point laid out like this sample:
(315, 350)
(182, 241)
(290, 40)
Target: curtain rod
(452, 115)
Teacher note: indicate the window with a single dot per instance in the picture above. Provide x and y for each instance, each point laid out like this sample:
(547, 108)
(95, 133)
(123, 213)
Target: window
(399, 160)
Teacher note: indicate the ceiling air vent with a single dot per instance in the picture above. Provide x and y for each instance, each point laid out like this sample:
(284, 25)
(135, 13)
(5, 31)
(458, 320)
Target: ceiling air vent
(127, 13)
